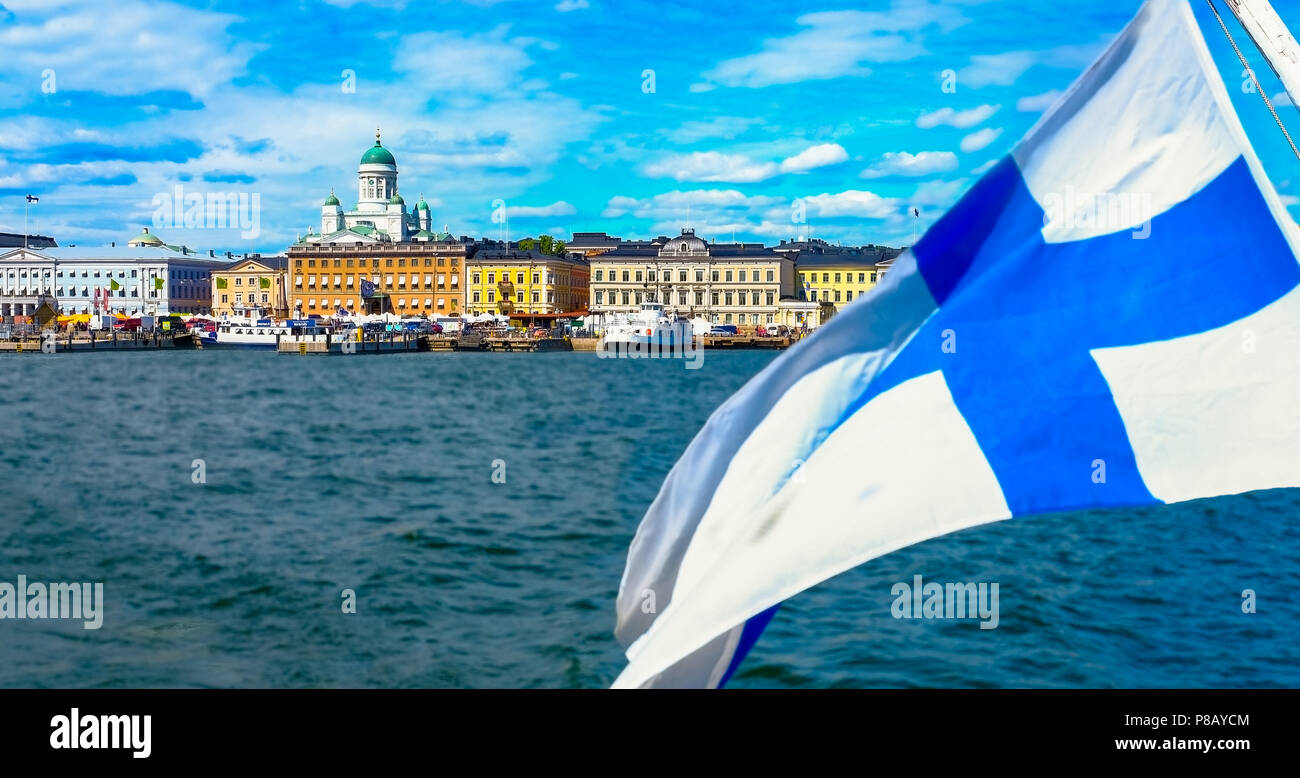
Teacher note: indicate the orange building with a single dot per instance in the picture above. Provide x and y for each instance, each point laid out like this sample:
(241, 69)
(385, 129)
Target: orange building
(409, 278)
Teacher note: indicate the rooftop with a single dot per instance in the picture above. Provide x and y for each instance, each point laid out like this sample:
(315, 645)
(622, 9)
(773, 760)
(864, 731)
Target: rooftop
(15, 240)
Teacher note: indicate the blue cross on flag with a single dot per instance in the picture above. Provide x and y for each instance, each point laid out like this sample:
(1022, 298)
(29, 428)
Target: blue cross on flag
(1110, 317)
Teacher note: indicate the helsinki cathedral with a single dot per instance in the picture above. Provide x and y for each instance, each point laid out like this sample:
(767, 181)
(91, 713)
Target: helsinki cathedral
(380, 215)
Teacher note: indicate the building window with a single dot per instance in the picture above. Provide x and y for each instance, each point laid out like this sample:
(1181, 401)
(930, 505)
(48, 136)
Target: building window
(600, 298)
(476, 298)
(848, 297)
(475, 279)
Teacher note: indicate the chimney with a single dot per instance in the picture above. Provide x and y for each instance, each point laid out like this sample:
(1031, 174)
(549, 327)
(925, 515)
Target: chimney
(113, 244)
(212, 253)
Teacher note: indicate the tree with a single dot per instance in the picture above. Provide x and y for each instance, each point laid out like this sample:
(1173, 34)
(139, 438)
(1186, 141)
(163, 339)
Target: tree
(544, 243)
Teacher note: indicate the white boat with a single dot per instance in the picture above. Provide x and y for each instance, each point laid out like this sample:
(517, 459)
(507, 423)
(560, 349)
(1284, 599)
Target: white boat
(649, 327)
(260, 333)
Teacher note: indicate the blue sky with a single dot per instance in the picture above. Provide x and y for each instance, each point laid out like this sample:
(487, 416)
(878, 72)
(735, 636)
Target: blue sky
(547, 107)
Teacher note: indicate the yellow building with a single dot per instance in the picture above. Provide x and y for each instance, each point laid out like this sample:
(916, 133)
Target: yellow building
(515, 282)
(255, 283)
(837, 274)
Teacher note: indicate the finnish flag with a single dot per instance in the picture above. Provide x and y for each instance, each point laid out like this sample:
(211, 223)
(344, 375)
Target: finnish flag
(1109, 317)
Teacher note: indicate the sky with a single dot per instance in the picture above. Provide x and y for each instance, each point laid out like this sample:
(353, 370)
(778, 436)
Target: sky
(756, 121)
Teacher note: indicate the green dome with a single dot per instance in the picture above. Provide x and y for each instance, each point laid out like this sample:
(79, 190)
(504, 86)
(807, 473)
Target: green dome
(396, 200)
(146, 239)
(331, 200)
(377, 155)
(422, 205)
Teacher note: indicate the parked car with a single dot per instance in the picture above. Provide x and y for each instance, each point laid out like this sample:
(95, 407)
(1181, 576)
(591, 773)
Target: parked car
(724, 329)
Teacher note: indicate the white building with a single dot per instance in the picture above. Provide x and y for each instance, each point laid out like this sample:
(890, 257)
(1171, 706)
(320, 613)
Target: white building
(380, 215)
(143, 277)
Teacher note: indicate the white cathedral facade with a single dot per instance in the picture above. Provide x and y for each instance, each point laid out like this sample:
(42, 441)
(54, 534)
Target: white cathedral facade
(380, 215)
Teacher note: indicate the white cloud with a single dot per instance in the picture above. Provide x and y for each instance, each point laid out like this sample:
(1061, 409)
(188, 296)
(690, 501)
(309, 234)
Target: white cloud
(483, 63)
(852, 202)
(564, 6)
(814, 157)
(996, 69)
(1038, 103)
(979, 139)
(558, 208)
(726, 127)
(711, 211)
(716, 167)
(834, 44)
(937, 195)
(902, 163)
(119, 47)
(960, 119)
(1006, 68)
(711, 166)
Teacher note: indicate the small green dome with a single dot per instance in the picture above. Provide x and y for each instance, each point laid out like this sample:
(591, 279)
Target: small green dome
(396, 199)
(331, 200)
(422, 205)
(145, 239)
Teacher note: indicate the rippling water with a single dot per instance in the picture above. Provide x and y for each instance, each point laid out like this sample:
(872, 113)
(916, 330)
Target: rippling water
(374, 474)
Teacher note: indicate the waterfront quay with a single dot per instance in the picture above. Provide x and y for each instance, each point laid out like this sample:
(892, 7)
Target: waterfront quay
(375, 257)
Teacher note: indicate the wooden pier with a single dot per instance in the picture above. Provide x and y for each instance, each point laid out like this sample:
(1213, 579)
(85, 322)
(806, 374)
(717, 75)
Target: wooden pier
(322, 345)
(62, 344)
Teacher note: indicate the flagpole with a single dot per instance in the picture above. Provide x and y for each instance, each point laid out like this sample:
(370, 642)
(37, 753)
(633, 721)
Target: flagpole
(1282, 51)
(1274, 41)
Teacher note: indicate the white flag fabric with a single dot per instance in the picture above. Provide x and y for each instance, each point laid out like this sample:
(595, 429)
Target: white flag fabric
(1110, 317)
